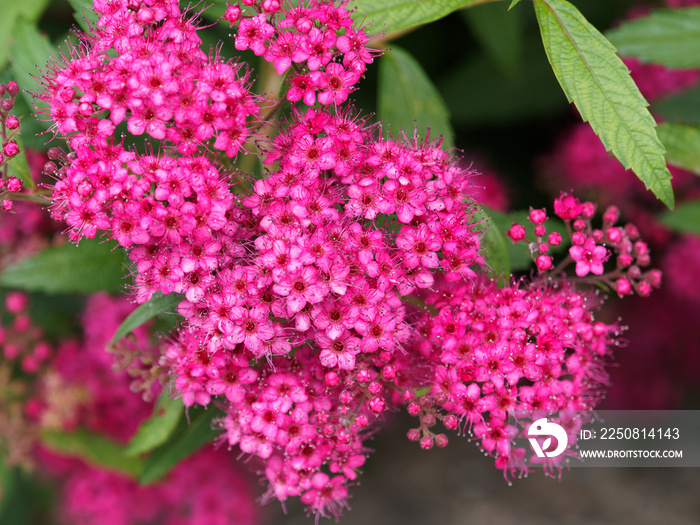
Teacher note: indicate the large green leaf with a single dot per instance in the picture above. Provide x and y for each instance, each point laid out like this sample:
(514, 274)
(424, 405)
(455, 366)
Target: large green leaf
(84, 14)
(594, 78)
(93, 448)
(12, 12)
(186, 440)
(499, 33)
(159, 427)
(686, 218)
(408, 100)
(89, 267)
(147, 311)
(668, 37)
(389, 16)
(30, 52)
(682, 145)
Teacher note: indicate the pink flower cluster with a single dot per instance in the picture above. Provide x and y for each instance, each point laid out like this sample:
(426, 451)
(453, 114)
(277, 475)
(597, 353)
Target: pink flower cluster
(327, 55)
(345, 225)
(592, 247)
(526, 347)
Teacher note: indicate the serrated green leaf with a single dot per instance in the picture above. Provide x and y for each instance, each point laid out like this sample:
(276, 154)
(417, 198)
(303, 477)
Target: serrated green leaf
(685, 218)
(147, 311)
(84, 13)
(682, 145)
(93, 448)
(498, 33)
(30, 51)
(667, 37)
(186, 440)
(495, 246)
(158, 428)
(408, 100)
(594, 78)
(12, 12)
(684, 107)
(389, 16)
(90, 267)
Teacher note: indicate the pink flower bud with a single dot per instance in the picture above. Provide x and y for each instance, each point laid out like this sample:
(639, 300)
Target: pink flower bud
(413, 408)
(12, 122)
(332, 379)
(232, 14)
(426, 442)
(516, 232)
(14, 184)
(7, 205)
(611, 215)
(15, 302)
(377, 405)
(653, 277)
(11, 149)
(544, 263)
(389, 372)
(538, 216)
(567, 207)
(441, 440)
(587, 210)
(374, 388)
(540, 230)
(643, 288)
(361, 421)
(450, 422)
(12, 88)
(623, 287)
(554, 238)
(579, 225)
(428, 420)
(413, 434)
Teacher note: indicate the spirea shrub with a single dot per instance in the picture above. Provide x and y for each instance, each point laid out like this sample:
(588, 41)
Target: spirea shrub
(309, 268)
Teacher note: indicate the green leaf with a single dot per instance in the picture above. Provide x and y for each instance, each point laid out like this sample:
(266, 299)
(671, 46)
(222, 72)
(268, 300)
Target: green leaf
(408, 100)
(148, 310)
(667, 37)
(12, 12)
(496, 247)
(499, 33)
(30, 51)
(600, 85)
(185, 441)
(682, 145)
(389, 16)
(89, 267)
(686, 218)
(684, 107)
(513, 4)
(158, 428)
(93, 448)
(84, 13)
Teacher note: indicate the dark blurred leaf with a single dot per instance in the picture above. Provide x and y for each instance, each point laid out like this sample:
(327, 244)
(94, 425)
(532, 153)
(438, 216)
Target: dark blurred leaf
(595, 79)
(90, 267)
(685, 218)
(408, 100)
(667, 37)
(684, 107)
(478, 94)
(389, 16)
(499, 33)
(94, 449)
(12, 12)
(147, 311)
(159, 427)
(84, 14)
(682, 145)
(186, 440)
(30, 51)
